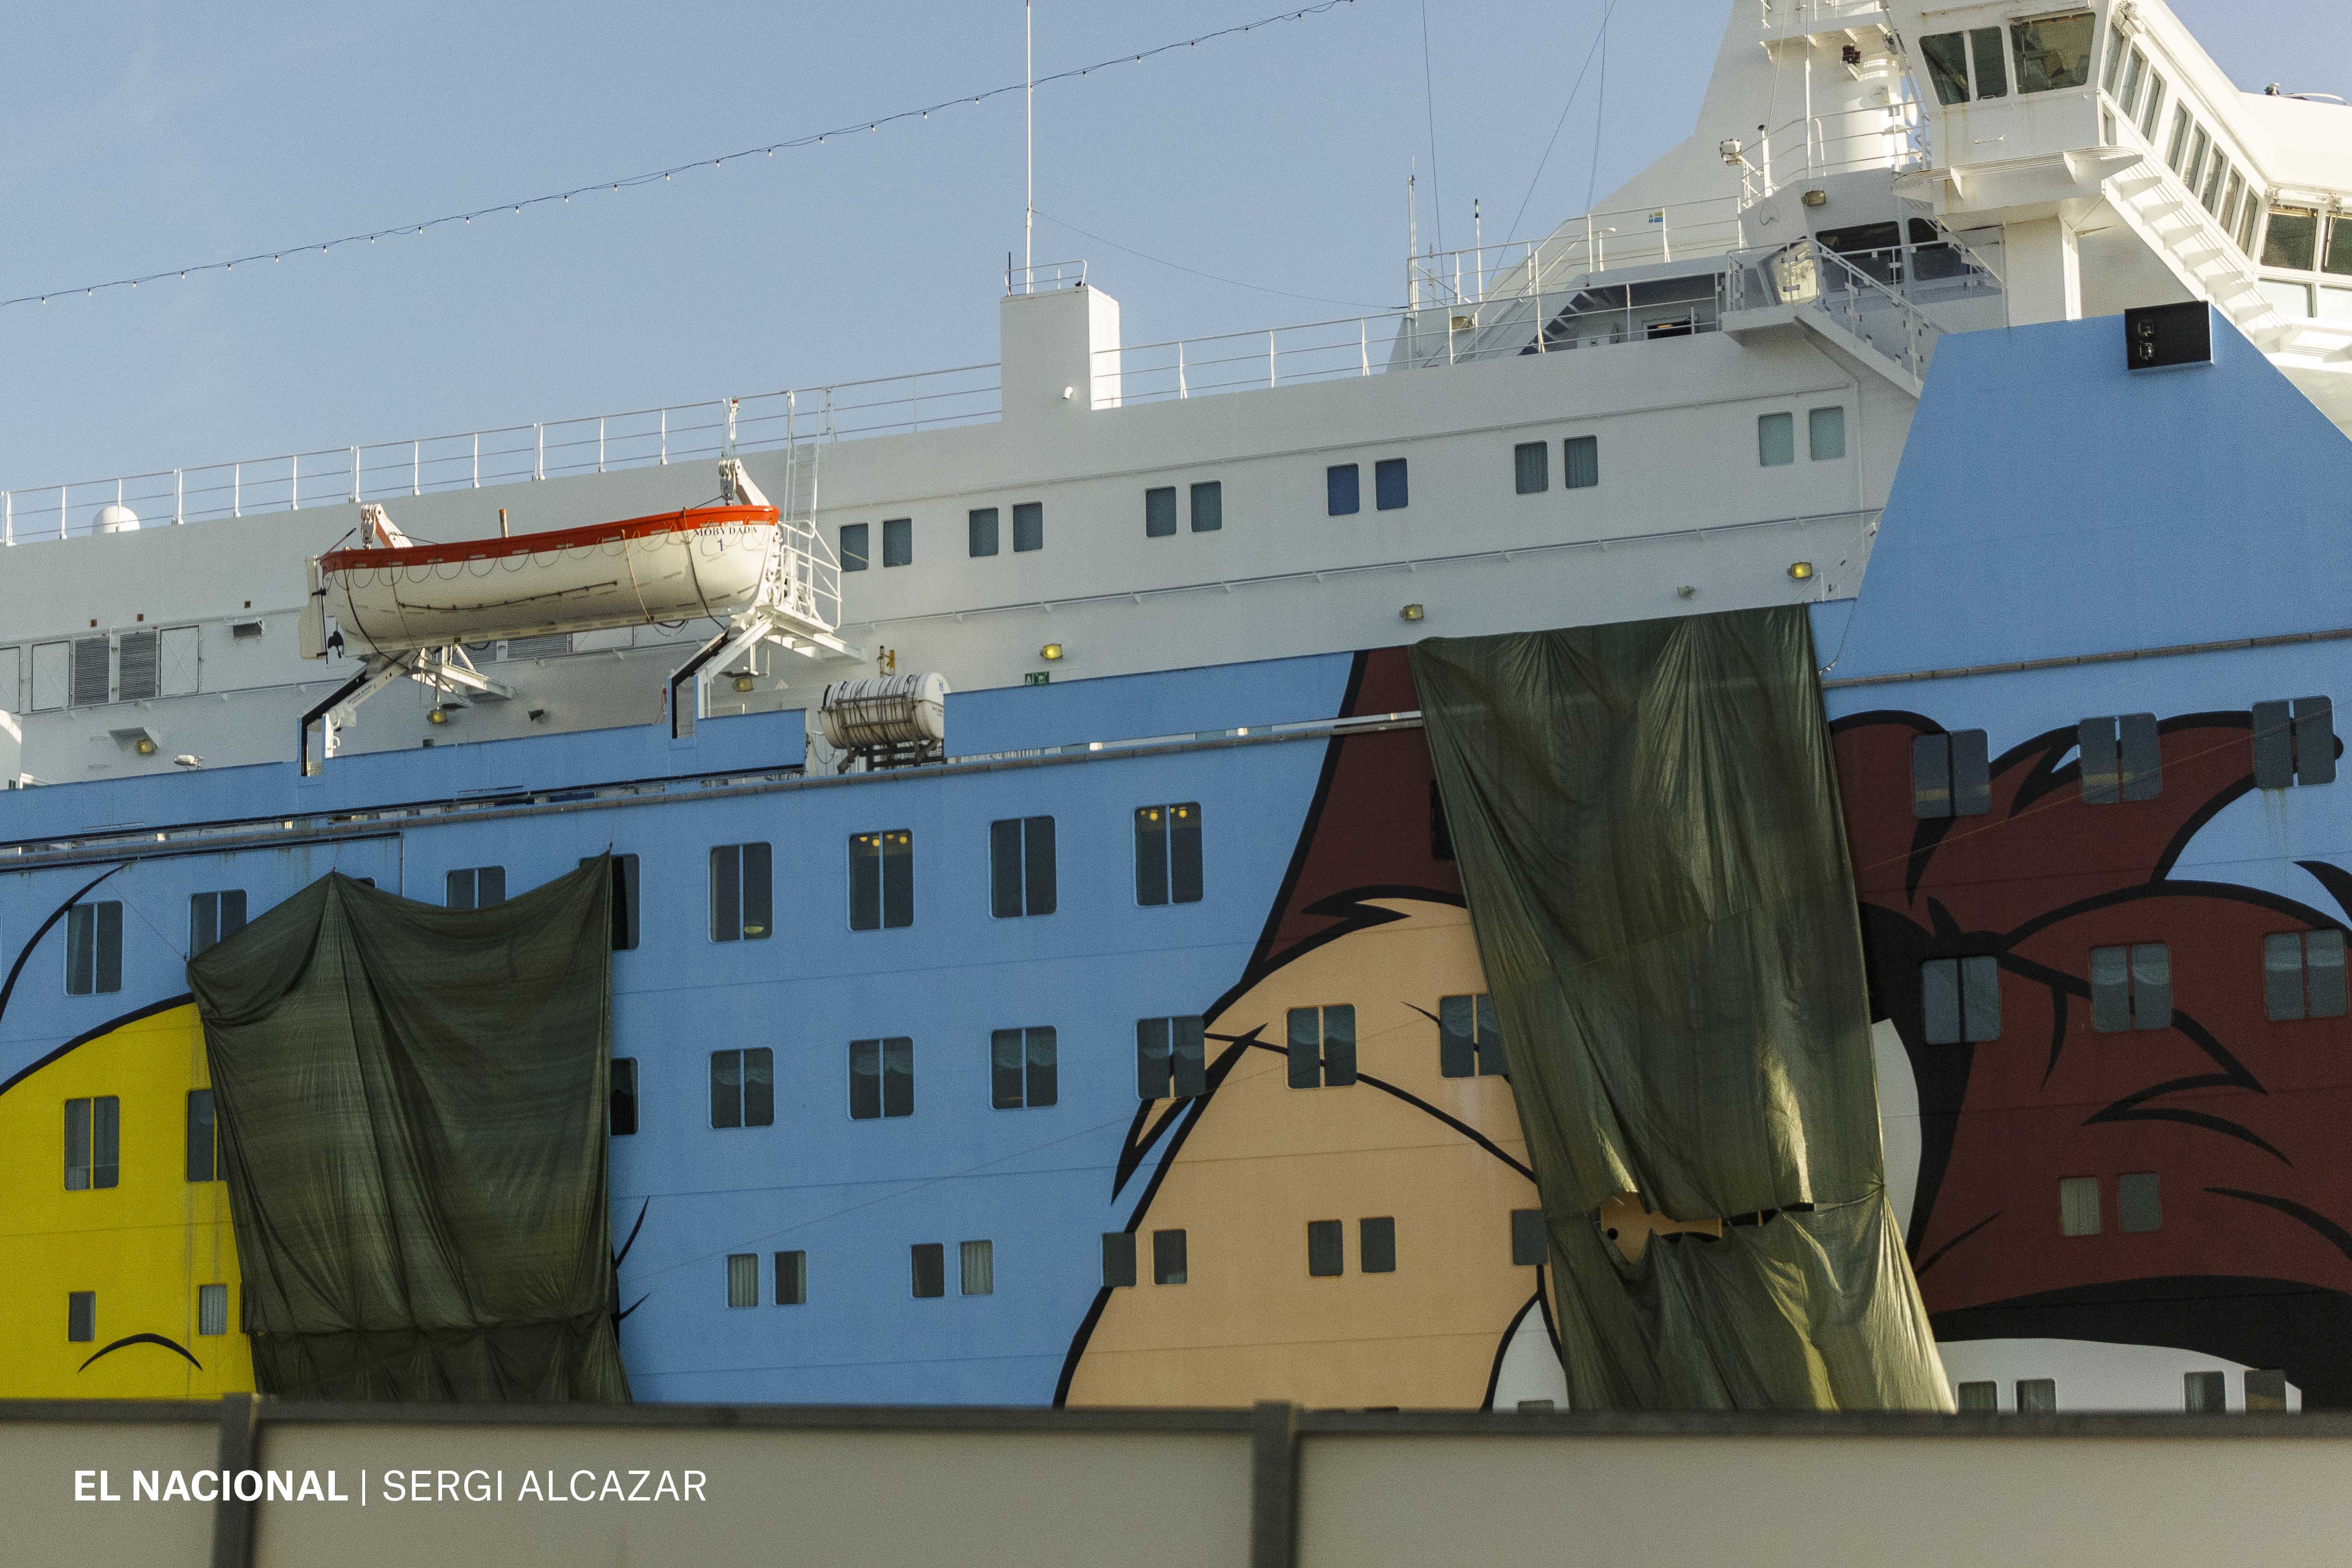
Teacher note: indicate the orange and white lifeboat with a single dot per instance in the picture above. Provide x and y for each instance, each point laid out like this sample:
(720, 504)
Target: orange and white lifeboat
(395, 596)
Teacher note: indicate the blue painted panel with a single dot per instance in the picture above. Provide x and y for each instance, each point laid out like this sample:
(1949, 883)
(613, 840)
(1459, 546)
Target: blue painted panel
(1165, 703)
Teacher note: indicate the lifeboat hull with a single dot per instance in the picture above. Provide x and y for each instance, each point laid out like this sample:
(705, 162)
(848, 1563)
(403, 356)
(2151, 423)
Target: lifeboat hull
(703, 562)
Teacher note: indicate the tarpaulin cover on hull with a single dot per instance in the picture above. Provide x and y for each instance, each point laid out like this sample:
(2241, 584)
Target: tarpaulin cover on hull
(413, 1106)
(1647, 824)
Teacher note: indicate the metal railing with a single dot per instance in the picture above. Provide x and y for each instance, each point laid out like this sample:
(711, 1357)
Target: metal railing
(593, 444)
(1044, 276)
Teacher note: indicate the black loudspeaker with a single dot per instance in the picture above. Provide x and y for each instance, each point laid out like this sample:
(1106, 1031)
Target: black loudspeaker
(2160, 335)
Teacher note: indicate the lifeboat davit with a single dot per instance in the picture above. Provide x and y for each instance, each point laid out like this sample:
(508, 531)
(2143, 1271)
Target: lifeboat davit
(397, 596)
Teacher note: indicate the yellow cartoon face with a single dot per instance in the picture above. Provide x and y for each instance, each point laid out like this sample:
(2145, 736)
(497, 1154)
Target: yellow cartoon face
(121, 1278)
(1346, 1244)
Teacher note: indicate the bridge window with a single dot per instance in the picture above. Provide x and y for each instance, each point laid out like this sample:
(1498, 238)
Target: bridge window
(2338, 259)
(1950, 56)
(476, 887)
(1322, 1045)
(1160, 511)
(94, 949)
(2135, 78)
(1021, 1067)
(2154, 106)
(2131, 988)
(1170, 1058)
(742, 892)
(2177, 146)
(2293, 238)
(853, 545)
(743, 1088)
(1950, 775)
(1960, 999)
(2303, 975)
(93, 1142)
(2053, 52)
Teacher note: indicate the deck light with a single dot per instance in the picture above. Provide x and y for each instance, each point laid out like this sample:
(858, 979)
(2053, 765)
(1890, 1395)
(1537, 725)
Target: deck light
(437, 717)
(742, 683)
(1800, 570)
(1410, 613)
(1051, 651)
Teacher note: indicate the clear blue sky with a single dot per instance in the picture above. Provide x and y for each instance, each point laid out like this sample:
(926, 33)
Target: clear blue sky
(135, 136)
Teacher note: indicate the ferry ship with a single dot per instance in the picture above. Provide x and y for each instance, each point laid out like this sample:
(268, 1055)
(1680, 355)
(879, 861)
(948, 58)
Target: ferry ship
(1007, 771)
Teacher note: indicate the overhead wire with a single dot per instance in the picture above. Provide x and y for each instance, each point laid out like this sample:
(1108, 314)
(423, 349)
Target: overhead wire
(1575, 88)
(1212, 276)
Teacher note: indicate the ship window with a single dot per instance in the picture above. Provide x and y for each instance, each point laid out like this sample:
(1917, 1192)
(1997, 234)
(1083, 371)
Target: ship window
(1950, 775)
(1530, 1239)
(1322, 1043)
(2135, 78)
(1947, 65)
(214, 918)
(2216, 178)
(2131, 988)
(1160, 511)
(2120, 759)
(624, 902)
(1021, 1069)
(982, 527)
(1977, 1398)
(1170, 1057)
(792, 1278)
(1776, 439)
(1208, 506)
(743, 1088)
(2247, 217)
(1118, 1259)
(1021, 867)
(2229, 202)
(2303, 975)
(2199, 145)
(1168, 853)
(742, 1279)
(1531, 467)
(979, 1261)
(897, 541)
(94, 949)
(476, 887)
(1375, 1245)
(881, 1078)
(2078, 1205)
(1985, 58)
(1469, 1040)
(81, 1316)
(2179, 144)
(1441, 832)
(1579, 462)
(1327, 1247)
(2294, 743)
(93, 1143)
(1389, 491)
(204, 1137)
(881, 879)
(1825, 434)
(2338, 259)
(2292, 240)
(1029, 526)
(1339, 494)
(2114, 71)
(853, 546)
(1960, 999)
(742, 892)
(2204, 1393)
(2139, 1208)
(212, 1309)
(930, 1260)
(2265, 1389)
(2037, 1393)
(623, 1090)
(2154, 106)
(1169, 1265)
(2053, 52)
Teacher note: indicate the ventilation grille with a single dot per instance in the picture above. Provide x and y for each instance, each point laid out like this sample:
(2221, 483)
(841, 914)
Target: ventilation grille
(89, 671)
(140, 674)
(547, 646)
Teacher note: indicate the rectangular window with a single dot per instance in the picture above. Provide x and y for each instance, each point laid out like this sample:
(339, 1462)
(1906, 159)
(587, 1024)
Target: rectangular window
(1947, 65)
(1441, 832)
(2078, 1205)
(2205, 1392)
(854, 536)
(2120, 759)
(2294, 743)
(1119, 1258)
(624, 1096)
(94, 949)
(624, 902)
(1029, 526)
(1579, 462)
(2291, 241)
(2139, 1208)
(1022, 1069)
(2131, 988)
(1960, 999)
(1208, 506)
(214, 918)
(1375, 1245)
(2053, 52)
(2265, 1389)
(2199, 145)
(1169, 1263)
(1327, 1247)
(981, 530)
(476, 887)
(2176, 147)
(1950, 774)
(81, 1316)
(1984, 54)
(1469, 1040)
(1776, 439)
(1530, 1239)
(2216, 176)
(1170, 1057)
(1340, 498)
(930, 1260)
(212, 1309)
(1160, 511)
(897, 541)
(743, 1088)
(1531, 467)
(204, 1137)
(979, 1261)
(1389, 492)
(2135, 78)
(2113, 74)
(1168, 853)
(791, 1280)
(93, 1142)
(742, 1279)
(1825, 434)
(2154, 106)
(1021, 867)
(2303, 975)
(1322, 1046)
(882, 880)
(1978, 1398)
(2338, 259)
(881, 1078)
(742, 892)
(2229, 202)
(2036, 1393)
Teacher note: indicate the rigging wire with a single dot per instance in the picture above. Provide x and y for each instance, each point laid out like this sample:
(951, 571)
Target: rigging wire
(650, 177)
(1429, 99)
(1599, 115)
(1576, 88)
(1212, 276)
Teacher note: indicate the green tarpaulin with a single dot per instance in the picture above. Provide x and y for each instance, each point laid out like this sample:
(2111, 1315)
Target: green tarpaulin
(1647, 824)
(413, 1106)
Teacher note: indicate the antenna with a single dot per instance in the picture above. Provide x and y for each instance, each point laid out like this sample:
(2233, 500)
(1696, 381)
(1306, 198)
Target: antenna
(1029, 78)
(1411, 246)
